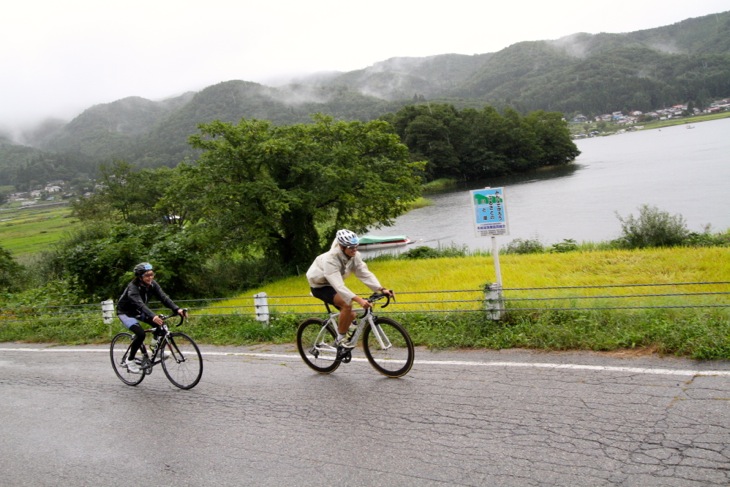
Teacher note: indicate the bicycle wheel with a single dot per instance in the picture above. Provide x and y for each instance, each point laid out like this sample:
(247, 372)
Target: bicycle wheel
(316, 344)
(184, 365)
(118, 352)
(388, 347)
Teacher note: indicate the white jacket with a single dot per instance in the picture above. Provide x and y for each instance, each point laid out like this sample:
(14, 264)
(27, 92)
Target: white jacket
(333, 267)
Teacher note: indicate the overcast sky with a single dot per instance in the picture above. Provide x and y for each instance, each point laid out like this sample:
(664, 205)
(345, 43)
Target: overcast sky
(60, 57)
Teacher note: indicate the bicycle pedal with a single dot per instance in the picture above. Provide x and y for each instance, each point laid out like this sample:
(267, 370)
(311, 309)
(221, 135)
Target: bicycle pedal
(344, 356)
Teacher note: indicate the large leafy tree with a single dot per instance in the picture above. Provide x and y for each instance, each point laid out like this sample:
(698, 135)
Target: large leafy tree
(282, 192)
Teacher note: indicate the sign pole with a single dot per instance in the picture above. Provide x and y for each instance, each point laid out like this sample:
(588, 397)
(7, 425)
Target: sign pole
(495, 256)
(490, 219)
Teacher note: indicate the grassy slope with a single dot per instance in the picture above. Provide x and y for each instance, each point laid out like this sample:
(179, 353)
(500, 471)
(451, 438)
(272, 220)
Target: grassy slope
(597, 268)
(28, 231)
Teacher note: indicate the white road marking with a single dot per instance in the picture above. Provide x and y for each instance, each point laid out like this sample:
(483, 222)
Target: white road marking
(459, 363)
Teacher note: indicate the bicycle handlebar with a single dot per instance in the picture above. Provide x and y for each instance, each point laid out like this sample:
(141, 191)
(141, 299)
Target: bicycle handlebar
(377, 297)
(182, 316)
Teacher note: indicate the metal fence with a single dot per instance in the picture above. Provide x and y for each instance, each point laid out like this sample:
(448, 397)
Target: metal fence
(682, 295)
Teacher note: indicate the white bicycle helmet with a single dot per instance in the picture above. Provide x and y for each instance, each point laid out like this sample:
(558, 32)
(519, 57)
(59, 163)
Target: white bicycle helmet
(346, 238)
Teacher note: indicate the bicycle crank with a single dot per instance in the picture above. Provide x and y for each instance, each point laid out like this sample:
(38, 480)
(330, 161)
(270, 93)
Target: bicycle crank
(344, 355)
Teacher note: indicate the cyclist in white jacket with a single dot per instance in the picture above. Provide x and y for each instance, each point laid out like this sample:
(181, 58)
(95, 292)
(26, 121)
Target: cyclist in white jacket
(327, 274)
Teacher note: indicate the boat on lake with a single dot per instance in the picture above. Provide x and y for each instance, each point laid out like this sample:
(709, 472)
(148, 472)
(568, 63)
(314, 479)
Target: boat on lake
(372, 242)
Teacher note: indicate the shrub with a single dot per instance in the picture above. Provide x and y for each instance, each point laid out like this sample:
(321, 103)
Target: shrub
(652, 228)
(567, 245)
(430, 253)
(524, 246)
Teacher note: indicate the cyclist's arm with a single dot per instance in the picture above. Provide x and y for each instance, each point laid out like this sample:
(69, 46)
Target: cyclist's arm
(363, 273)
(164, 298)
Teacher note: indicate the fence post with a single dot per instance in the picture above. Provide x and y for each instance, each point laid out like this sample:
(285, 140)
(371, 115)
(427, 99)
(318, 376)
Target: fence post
(495, 302)
(107, 313)
(261, 305)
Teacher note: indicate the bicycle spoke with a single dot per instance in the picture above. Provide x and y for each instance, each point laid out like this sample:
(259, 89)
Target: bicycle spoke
(118, 351)
(388, 347)
(315, 343)
(181, 360)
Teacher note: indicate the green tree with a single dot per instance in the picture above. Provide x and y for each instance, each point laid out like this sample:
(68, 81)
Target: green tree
(553, 138)
(128, 195)
(282, 192)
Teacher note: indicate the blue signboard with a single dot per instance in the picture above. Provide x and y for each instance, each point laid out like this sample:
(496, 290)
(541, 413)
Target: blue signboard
(490, 212)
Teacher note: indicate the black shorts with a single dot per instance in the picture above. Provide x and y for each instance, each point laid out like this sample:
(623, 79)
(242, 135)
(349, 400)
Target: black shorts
(325, 293)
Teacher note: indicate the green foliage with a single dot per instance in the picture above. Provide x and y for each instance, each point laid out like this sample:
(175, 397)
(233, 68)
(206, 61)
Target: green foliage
(524, 246)
(9, 271)
(475, 144)
(652, 228)
(129, 195)
(567, 245)
(431, 253)
(267, 190)
(99, 259)
(708, 239)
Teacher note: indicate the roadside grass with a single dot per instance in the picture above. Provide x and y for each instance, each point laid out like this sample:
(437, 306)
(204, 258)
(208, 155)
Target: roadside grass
(441, 300)
(519, 271)
(655, 324)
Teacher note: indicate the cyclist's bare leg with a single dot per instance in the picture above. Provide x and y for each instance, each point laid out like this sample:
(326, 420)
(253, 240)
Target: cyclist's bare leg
(347, 315)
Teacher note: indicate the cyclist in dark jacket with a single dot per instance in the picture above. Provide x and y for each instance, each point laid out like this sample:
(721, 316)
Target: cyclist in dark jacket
(132, 307)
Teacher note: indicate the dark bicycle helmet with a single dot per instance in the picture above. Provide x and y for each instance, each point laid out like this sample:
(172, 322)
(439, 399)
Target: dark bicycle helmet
(346, 238)
(141, 268)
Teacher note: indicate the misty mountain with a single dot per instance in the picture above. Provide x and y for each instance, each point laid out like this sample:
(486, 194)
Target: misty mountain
(579, 73)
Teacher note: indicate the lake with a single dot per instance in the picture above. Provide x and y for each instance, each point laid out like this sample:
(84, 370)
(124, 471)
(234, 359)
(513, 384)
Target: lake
(679, 170)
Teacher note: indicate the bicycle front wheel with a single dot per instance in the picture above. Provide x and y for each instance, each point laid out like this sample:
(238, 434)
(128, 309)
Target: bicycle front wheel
(316, 344)
(118, 352)
(181, 360)
(388, 347)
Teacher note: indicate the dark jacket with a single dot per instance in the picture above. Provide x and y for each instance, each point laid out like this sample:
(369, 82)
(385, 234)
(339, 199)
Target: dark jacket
(135, 297)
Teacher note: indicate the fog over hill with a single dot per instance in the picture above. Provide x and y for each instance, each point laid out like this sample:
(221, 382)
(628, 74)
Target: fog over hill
(686, 62)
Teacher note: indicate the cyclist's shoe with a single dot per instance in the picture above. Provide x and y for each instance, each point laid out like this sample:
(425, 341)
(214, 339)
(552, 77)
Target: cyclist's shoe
(344, 342)
(131, 366)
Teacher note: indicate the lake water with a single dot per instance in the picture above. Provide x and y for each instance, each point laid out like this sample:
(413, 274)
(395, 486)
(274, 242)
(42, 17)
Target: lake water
(679, 170)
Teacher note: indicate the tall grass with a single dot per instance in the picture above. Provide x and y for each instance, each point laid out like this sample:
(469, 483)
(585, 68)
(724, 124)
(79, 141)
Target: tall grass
(596, 268)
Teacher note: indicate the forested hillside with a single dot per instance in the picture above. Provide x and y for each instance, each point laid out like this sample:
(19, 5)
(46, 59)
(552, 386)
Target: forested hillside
(687, 62)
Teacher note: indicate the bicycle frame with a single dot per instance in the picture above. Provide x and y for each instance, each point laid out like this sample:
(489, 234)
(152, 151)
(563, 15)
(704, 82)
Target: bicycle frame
(367, 318)
(162, 342)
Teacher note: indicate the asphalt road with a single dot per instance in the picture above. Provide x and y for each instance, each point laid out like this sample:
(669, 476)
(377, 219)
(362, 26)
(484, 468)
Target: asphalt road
(260, 417)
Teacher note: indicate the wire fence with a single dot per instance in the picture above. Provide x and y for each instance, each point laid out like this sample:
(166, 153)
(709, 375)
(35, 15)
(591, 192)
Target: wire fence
(682, 295)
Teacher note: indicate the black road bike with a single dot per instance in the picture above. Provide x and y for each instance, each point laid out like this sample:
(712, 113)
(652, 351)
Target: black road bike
(177, 352)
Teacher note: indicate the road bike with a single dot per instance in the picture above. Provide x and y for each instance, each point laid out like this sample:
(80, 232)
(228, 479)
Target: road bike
(386, 343)
(177, 352)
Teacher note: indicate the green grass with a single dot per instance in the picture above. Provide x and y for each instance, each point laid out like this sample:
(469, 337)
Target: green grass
(699, 333)
(592, 268)
(25, 232)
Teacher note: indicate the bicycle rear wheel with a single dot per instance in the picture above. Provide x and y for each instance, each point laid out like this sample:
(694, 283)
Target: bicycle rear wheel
(316, 344)
(118, 351)
(184, 366)
(388, 347)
